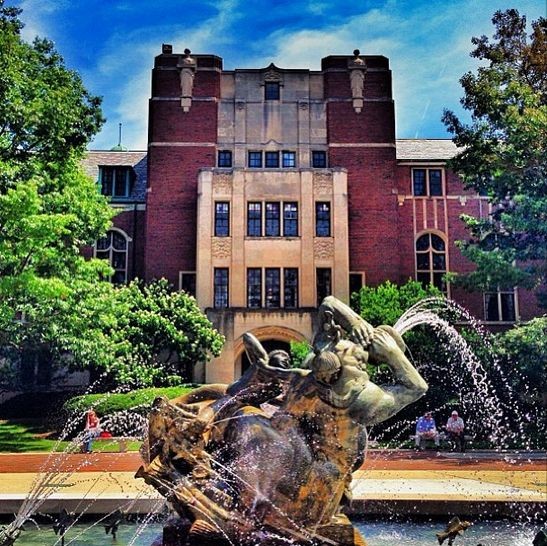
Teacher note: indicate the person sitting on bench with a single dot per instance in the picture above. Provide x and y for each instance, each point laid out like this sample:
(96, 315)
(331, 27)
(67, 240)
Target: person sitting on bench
(454, 428)
(426, 429)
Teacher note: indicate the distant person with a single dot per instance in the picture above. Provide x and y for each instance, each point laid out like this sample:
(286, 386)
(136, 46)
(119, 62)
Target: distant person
(91, 431)
(454, 428)
(426, 429)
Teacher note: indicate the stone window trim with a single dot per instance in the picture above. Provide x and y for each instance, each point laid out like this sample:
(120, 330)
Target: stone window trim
(319, 159)
(186, 279)
(108, 248)
(272, 90)
(501, 306)
(323, 219)
(271, 159)
(222, 219)
(272, 287)
(225, 159)
(254, 159)
(288, 159)
(221, 287)
(116, 181)
(323, 283)
(262, 219)
(431, 259)
(428, 182)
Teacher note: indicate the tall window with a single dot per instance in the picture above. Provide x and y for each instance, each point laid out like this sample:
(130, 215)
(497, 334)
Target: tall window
(113, 248)
(272, 160)
(273, 287)
(290, 219)
(220, 287)
(500, 306)
(355, 282)
(254, 219)
(255, 160)
(323, 283)
(271, 91)
(254, 287)
(318, 159)
(116, 182)
(431, 260)
(224, 158)
(272, 220)
(222, 219)
(322, 219)
(427, 182)
(289, 159)
(188, 282)
(290, 287)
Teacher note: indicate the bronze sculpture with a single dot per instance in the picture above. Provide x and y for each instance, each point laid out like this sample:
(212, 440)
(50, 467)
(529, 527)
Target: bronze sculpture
(270, 458)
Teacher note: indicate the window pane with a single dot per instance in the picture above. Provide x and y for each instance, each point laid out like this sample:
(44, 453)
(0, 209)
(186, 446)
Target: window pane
(104, 242)
(418, 177)
(107, 180)
(271, 90)
(290, 219)
(221, 287)
(322, 219)
(255, 160)
(188, 283)
(424, 278)
(272, 159)
(491, 309)
(119, 242)
(323, 285)
(423, 242)
(272, 220)
(289, 159)
(254, 219)
(422, 261)
(355, 282)
(273, 288)
(121, 183)
(102, 255)
(439, 262)
(224, 158)
(290, 286)
(319, 159)
(437, 242)
(254, 287)
(118, 277)
(435, 182)
(508, 306)
(438, 281)
(118, 260)
(222, 219)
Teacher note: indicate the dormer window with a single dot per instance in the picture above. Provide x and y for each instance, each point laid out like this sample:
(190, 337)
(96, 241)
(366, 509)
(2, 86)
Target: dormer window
(116, 182)
(271, 91)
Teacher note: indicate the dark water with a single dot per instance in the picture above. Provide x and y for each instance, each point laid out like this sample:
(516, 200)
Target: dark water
(377, 533)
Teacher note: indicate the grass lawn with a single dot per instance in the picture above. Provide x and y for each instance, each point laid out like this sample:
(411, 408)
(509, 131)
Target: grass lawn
(24, 436)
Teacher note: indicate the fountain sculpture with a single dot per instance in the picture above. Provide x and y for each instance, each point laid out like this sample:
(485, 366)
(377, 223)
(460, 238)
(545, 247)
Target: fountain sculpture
(269, 459)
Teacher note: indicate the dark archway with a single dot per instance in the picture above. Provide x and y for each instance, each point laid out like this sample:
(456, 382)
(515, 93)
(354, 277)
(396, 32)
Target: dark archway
(269, 345)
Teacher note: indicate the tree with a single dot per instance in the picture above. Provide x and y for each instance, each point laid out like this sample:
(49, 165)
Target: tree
(504, 155)
(49, 209)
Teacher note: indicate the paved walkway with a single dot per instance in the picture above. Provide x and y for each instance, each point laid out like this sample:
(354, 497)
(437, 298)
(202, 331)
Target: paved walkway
(404, 481)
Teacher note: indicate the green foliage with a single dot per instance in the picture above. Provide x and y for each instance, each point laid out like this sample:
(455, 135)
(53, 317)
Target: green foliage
(384, 304)
(299, 351)
(504, 155)
(106, 404)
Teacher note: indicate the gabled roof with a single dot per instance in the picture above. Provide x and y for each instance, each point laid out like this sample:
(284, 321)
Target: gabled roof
(423, 149)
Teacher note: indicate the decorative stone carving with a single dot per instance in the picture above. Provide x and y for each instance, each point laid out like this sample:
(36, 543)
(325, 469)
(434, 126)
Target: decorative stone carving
(322, 184)
(187, 67)
(303, 105)
(323, 248)
(272, 74)
(222, 247)
(222, 184)
(240, 105)
(357, 69)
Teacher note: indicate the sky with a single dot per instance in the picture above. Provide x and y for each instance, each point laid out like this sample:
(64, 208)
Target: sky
(112, 44)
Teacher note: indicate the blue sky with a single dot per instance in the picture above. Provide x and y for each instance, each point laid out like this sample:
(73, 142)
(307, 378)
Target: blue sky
(112, 43)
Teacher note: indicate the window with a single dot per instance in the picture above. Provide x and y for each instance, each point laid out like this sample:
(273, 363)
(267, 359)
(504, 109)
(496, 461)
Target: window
(254, 219)
(116, 182)
(323, 283)
(255, 160)
(222, 219)
(224, 158)
(113, 248)
(271, 90)
(254, 287)
(272, 220)
(188, 282)
(500, 306)
(290, 219)
(355, 282)
(220, 288)
(272, 160)
(322, 219)
(318, 159)
(290, 287)
(289, 159)
(273, 287)
(431, 260)
(427, 182)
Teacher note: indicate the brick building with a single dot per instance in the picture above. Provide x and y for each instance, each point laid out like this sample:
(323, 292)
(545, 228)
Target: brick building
(263, 190)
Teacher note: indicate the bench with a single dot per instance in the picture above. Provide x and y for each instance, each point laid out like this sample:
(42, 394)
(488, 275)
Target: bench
(122, 441)
(443, 439)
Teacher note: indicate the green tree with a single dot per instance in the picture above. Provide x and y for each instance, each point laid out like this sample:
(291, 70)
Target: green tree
(504, 155)
(49, 209)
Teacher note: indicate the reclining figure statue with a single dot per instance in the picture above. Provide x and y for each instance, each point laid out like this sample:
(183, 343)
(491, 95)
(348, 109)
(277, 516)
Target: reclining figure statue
(270, 457)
